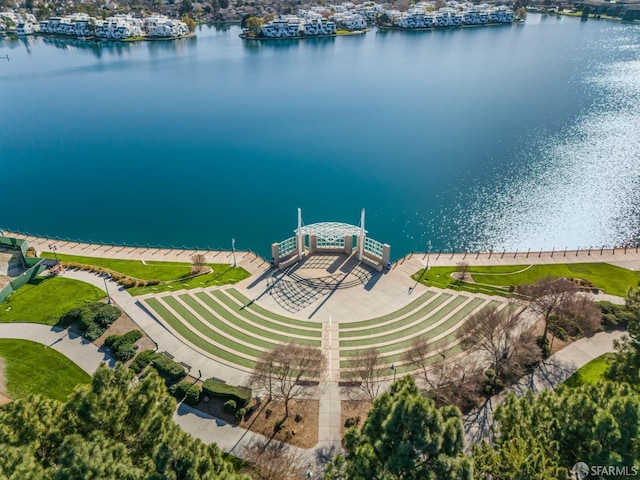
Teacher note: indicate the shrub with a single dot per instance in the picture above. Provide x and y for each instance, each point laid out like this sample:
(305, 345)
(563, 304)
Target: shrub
(543, 343)
(186, 391)
(615, 315)
(216, 388)
(125, 352)
(240, 413)
(92, 319)
(298, 418)
(352, 422)
(170, 370)
(130, 337)
(230, 406)
(278, 426)
(142, 360)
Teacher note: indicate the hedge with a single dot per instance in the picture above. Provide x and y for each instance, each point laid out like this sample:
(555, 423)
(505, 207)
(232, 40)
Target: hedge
(216, 388)
(169, 369)
(142, 360)
(187, 391)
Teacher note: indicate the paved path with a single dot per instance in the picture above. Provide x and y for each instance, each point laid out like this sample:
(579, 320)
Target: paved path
(549, 374)
(82, 352)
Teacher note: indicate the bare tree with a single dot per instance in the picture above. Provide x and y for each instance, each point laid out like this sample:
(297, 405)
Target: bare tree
(462, 268)
(286, 371)
(198, 260)
(269, 460)
(492, 332)
(579, 315)
(547, 296)
(367, 371)
(498, 335)
(447, 381)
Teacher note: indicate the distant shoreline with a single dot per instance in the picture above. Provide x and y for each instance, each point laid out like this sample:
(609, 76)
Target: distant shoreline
(244, 36)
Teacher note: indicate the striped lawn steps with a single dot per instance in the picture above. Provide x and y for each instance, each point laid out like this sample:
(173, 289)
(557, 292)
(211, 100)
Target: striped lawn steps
(221, 332)
(451, 339)
(374, 322)
(195, 339)
(419, 327)
(400, 362)
(238, 311)
(238, 325)
(415, 316)
(407, 342)
(249, 304)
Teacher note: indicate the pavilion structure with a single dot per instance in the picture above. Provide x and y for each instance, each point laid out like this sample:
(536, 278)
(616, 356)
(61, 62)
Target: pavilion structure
(330, 237)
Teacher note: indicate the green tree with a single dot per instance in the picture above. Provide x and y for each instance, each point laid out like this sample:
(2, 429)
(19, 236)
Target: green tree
(625, 366)
(223, 3)
(598, 425)
(112, 429)
(192, 26)
(404, 437)
(253, 25)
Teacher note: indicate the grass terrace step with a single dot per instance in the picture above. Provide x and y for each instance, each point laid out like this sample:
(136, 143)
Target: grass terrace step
(441, 328)
(399, 360)
(390, 316)
(221, 331)
(413, 330)
(250, 305)
(185, 332)
(239, 325)
(422, 313)
(240, 312)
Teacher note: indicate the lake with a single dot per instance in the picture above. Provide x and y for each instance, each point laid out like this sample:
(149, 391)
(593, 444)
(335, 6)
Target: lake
(509, 137)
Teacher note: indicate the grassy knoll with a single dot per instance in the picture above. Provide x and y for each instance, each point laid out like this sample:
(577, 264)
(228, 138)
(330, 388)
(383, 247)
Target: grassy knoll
(133, 268)
(222, 274)
(32, 368)
(45, 300)
(591, 373)
(613, 280)
(170, 273)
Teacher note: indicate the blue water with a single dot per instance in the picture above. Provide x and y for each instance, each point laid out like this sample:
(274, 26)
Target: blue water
(524, 136)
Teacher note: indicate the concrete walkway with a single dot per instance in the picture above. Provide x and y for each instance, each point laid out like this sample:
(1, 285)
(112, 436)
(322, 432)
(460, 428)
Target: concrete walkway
(82, 352)
(549, 374)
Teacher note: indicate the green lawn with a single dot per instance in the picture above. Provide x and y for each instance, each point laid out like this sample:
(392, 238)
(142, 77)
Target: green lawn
(32, 368)
(45, 300)
(591, 373)
(170, 272)
(611, 279)
(133, 268)
(223, 274)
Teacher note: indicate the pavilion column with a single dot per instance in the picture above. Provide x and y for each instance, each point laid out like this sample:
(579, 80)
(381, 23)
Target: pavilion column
(348, 244)
(313, 244)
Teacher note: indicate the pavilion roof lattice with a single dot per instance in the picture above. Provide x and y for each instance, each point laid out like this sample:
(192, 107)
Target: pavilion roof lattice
(330, 231)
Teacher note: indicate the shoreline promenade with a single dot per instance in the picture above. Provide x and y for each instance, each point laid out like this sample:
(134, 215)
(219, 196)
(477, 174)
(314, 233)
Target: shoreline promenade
(626, 257)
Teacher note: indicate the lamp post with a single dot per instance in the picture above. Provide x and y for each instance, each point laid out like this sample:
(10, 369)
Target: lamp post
(53, 248)
(270, 388)
(393, 367)
(428, 253)
(104, 277)
(233, 250)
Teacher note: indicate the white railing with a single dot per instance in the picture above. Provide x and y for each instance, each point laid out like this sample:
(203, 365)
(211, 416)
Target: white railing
(287, 246)
(338, 243)
(373, 247)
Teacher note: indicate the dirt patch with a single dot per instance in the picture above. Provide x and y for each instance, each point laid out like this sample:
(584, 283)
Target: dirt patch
(303, 434)
(351, 410)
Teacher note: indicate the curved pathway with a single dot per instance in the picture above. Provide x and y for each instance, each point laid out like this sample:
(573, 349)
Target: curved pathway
(549, 374)
(79, 350)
